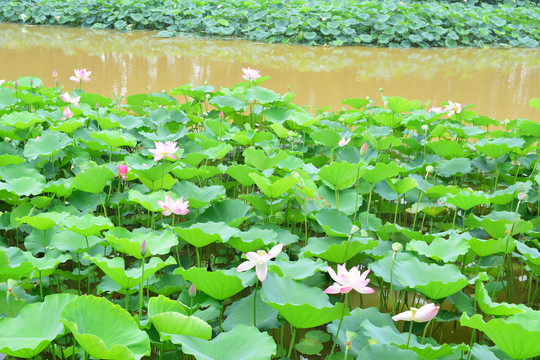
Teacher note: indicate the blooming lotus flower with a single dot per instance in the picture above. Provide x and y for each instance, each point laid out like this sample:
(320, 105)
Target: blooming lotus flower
(345, 281)
(162, 150)
(250, 74)
(170, 206)
(425, 313)
(67, 113)
(82, 74)
(122, 170)
(436, 109)
(259, 260)
(344, 141)
(452, 108)
(72, 100)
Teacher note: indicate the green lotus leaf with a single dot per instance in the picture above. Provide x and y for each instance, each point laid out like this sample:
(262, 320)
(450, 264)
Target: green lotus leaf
(487, 247)
(261, 95)
(87, 224)
(334, 222)
(497, 224)
(401, 186)
(23, 186)
(456, 166)
(298, 270)
(381, 171)
(349, 201)
(170, 317)
(492, 308)
(429, 351)
(241, 312)
(219, 284)
(441, 249)
(241, 174)
(516, 336)
(228, 103)
(483, 352)
(339, 175)
(336, 249)
(149, 201)
(44, 221)
(356, 103)
(446, 148)
(68, 126)
(260, 160)
(328, 137)
(115, 269)
(7, 159)
(69, 241)
(115, 138)
(232, 212)
(158, 242)
(13, 264)
(308, 346)
(531, 254)
(20, 337)
(92, 179)
(302, 306)
(496, 148)
(46, 265)
(398, 104)
(105, 330)
(49, 143)
(147, 169)
(386, 351)
(22, 119)
(271, 187)
(60, 187)
(467, 199)
(253, 239)
(198, 197)
(202, 234)
(241, 343)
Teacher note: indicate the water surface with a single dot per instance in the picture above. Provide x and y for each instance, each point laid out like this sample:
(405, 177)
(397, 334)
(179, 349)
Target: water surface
(499, 82)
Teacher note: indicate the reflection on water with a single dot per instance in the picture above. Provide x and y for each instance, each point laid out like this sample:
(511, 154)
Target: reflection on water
(499, 82)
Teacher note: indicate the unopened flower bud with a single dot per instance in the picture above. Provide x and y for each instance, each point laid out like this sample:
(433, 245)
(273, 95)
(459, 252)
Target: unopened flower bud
(522, 196)
(192, 291)
(397, 247)
(144, 248)
(221, 115)
(429, 169)
(425, 128)
(363, 149)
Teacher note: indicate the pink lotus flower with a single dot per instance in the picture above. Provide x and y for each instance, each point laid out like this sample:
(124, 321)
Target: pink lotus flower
(221, 115)
(345, 281)
(259, 260)
(250, 74)
(80, 75)
(67, 113)
(425, 313)
(54, 73)
(72, 100)
(192, 291)
(170, 206)
(344, 141)
(144, 248)
(452, 108)
(122, 170)
(363, 149)
(167, 149)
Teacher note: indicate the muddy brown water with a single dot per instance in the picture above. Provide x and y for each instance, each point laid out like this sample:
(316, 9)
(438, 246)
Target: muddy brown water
(499, 82)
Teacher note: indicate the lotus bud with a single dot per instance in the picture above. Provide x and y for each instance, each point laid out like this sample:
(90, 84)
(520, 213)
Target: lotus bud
(429, 169)
(363, 149)
(221, 115)
(425, 128)
(122, 170)
(522, 196)
(144, 248)
(192, 291)
(397, 247)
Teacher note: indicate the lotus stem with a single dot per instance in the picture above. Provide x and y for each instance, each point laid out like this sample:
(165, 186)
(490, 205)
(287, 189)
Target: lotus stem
(340, 323)
(293, 337)
(391, 282)
(425, 330)
(419, 200)
(255, 303)
(141, 288)
(40, 286)
(410, 333)
(368, 205)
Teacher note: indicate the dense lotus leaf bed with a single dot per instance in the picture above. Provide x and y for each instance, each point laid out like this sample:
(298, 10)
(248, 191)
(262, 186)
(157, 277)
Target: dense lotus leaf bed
(233, 224)
(389, 23)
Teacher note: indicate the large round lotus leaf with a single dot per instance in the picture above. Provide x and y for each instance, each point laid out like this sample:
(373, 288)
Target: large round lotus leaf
(46, 265)
(219, 284)
(198, 197)
(22, 186)
(202, 234)
(339, 175)
(158, 243)
(385, 351)
(517, 336)
(65, 240)
(49, 143)
(487, 247)
(241, 312)
(302, 306)
(87, 224)
(273, 187)
(298, 270)
(261, 160)
(531, 254)
(148, 201)
(308, 346)
(13, 264)
(92, 179)
(381, 171)
(161, 304)
(127, 279)
(401, 186)
(430, 350)
(334, 222)
(253, 239)
(241, 343)
(148, 169)
(441, 249)
(115, 138)
(105, 330)
(492, 308)
(483, 352)
(466, 199)
(44, 221)
(232, 212)
(21, 337)
(336, 249)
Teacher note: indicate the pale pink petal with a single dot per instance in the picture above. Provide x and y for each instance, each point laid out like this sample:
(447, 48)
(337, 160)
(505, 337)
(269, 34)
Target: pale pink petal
(333, 289)
(426, 313)
(274, 251)
(246, 265)
(345, 289)
(365, 290)
(253, 256)
(261, 270)
(333, 274)
(407, 316)
(161, 204)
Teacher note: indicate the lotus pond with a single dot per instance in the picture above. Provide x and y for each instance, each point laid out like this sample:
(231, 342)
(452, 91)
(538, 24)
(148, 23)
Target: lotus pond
(231, 223)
